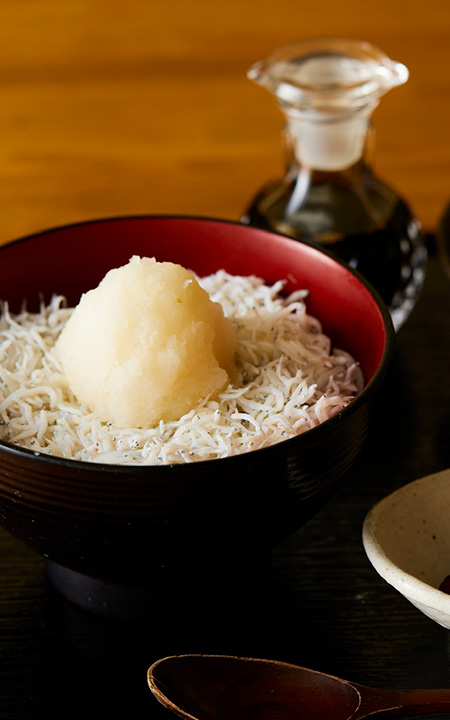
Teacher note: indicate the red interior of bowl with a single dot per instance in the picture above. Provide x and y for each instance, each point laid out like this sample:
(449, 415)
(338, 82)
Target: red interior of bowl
(73, 259)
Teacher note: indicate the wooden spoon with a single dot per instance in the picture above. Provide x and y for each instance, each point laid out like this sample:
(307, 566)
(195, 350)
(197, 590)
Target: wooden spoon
(220, 687)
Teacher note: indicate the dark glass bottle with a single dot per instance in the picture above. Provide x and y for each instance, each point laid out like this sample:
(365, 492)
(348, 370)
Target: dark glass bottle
(329, 195)
(443, 239)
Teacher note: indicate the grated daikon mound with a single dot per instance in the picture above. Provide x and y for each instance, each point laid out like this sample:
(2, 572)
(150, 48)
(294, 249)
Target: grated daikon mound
(290, 379)
(146, 345)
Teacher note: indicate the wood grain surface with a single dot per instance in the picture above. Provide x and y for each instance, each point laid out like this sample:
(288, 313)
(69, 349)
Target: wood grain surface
(111, 108)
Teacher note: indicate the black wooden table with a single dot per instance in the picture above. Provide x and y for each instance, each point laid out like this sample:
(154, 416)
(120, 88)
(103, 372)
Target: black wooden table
(319, 604)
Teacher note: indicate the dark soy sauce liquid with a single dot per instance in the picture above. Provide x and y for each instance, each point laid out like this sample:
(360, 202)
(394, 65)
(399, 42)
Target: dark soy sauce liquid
(359, 220)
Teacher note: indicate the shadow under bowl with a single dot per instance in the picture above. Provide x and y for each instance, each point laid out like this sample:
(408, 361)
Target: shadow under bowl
(108, 531)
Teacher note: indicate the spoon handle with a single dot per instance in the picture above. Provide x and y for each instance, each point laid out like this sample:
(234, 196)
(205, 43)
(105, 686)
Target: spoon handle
(402, 703)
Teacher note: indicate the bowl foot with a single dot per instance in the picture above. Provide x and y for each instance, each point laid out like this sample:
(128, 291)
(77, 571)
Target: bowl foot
(103, 597)
(246, 577)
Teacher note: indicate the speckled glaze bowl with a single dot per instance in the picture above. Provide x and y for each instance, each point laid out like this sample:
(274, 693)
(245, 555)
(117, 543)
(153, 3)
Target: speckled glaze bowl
(407, 539)
(107, 527)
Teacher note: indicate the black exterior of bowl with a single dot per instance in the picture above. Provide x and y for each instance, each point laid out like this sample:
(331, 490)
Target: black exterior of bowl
(142, 526)
(126, 526)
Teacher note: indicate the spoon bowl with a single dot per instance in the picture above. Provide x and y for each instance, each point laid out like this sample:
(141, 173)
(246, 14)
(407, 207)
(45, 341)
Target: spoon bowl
(221, 687)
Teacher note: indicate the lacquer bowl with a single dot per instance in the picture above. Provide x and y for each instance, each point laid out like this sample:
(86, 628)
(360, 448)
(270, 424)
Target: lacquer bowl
(109, 528)
(407, 539)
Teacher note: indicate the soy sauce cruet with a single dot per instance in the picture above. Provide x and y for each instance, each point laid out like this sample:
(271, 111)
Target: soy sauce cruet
(329, 196)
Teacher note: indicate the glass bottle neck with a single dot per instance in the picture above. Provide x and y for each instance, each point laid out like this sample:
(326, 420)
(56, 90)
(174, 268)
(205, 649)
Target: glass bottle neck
(331, 203)
(328, 143)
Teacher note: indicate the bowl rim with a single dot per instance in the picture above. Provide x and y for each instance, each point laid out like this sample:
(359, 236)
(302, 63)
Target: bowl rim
(404, 582)
(142, 469)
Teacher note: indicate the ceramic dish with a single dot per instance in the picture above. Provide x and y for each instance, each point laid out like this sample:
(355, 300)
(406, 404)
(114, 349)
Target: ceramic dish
(407, 539)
